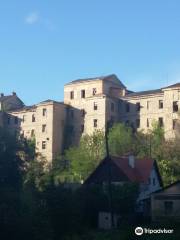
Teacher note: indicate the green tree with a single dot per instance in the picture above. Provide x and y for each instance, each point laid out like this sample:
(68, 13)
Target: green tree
(120, 139)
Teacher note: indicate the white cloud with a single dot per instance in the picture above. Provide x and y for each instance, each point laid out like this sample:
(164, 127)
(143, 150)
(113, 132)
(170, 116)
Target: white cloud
(32, 18)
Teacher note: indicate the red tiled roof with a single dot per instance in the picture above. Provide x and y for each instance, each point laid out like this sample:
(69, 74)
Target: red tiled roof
(141, 170)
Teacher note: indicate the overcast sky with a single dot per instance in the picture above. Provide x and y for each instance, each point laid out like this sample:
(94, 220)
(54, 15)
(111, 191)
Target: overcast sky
(47, 43)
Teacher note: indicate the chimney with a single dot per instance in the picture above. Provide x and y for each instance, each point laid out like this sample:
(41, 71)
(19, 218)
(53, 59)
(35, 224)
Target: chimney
(2, 94)
(131, 160)
(13, 93)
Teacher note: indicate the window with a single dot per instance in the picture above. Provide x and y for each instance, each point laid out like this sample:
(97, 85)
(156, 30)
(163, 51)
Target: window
(82, 128)
(33, 118)
(95, 106)
(32, 133)
(168, 207)
(174, 123)
(147, 122)
(43, 144)
(44, 112)
(138, 106)
(94, 91)
(154, 181)
(161, 123)
(72, 95)
(112, 107)
(127, 107)
(137, 123)
(24, 118)
(83, 94)
(95, 123)
(83, 112)
(160, 104)
(175, 106)
(147, 105)
(44, 128)
(16, 120)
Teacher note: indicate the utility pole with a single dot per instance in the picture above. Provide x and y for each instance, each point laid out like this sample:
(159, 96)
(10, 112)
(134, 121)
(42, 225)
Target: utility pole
(108, 160)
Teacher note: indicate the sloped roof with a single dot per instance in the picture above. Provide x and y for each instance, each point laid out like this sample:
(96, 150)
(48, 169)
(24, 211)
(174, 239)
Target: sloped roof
(140, 173)
(141, 93)
(173, 85)
(111, 77)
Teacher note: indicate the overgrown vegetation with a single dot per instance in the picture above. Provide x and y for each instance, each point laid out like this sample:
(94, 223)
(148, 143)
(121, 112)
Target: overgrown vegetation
(38, 202)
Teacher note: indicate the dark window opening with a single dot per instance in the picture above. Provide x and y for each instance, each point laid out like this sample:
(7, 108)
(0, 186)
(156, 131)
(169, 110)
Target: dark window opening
(44, 128)
(32, 133)
(147, 122)
(33, 118)
(161, 122)
(44, 112)
(95, 106)
(95, 123)
(160, 104)
(72, 95)
(138, 106)
(43, 144)
(83, 94)
(175, 106)
(94, 91)
(82, 128)
(174, 123)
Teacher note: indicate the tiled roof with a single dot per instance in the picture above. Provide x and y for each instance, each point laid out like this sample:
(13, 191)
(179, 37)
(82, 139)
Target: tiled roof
(4, 98)
(141, 170)
(173, 85)
(156, 91)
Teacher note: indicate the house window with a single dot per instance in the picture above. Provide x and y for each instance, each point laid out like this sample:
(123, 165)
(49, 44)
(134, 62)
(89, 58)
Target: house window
(147, 105)
(83, 94)
(160, 104)
(138, 106)
(147, 122)
(16, 120)
(175, 106)
(161, 122)
(95, 106)
(44, 128)
(72, 95)
(24, 118)
(43, 144)
(168, 207)
(112, 107)
(95, 123)
(83, 112)
(174, 123)
(127, 107)
(44, 112)
(32, 133)
(33, 118)
(154, 181)
(94, 91)
(82, 128)
(138, 123)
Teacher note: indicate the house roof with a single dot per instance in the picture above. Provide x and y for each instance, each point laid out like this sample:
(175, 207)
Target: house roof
(140, 173)
(173, 85)
(141, 93)
(167, 187)
(111, 77)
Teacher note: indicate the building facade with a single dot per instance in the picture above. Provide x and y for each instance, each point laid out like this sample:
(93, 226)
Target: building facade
(89, 104)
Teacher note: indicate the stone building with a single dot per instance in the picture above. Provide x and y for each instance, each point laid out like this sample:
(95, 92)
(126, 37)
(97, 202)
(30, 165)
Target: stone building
(88, 105)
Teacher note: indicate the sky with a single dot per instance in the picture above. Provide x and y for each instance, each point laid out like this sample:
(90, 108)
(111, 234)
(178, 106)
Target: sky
(47, 43)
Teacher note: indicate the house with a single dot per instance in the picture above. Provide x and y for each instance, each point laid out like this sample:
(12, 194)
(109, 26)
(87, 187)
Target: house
(130, 169)
(165, 203)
